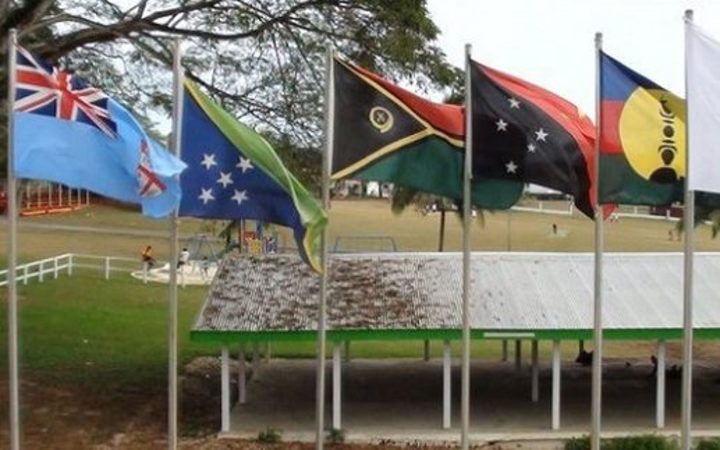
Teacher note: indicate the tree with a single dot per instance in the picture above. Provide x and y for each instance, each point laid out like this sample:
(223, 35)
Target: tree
(261, 59)
(703, 214)
(404, 196)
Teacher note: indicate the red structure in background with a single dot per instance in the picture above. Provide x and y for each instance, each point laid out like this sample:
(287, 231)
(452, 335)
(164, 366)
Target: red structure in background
(46, 198)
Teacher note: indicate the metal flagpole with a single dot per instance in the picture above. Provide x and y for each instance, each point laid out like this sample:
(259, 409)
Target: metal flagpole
(467, 217)
(173, 288)
(689, 228)
(599, 244)
(326, 161)
(14, 380)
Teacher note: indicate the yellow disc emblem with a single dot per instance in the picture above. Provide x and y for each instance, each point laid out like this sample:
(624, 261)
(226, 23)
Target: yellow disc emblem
(652, 132)
(381, 118)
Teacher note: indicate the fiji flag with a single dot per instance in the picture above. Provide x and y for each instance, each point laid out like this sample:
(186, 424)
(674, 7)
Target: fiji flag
(642, 150)
(233, 173)
(71, 133)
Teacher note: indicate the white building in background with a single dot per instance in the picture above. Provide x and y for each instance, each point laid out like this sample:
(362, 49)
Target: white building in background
(357, 188)
(543, 192)
(373, 189)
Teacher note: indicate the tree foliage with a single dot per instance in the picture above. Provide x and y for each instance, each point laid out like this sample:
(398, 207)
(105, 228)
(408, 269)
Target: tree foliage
(703, 214)
(261, 59)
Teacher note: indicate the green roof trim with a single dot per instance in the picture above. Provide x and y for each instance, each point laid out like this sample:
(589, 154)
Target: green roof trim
(627, 334)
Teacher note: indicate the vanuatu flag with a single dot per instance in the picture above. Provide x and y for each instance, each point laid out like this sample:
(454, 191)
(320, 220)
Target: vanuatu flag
(233, 173)
(386, 133)
(523, 133)
(642, 159)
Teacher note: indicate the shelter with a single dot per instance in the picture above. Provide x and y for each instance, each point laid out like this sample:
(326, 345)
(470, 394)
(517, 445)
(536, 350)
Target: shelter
(521, 296)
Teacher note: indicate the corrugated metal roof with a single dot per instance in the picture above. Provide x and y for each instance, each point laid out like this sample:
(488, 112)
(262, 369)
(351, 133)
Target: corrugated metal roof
(510, 291)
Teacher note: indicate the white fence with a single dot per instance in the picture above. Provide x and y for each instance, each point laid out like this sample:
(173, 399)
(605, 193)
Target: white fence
(52, 267)
(66, 263)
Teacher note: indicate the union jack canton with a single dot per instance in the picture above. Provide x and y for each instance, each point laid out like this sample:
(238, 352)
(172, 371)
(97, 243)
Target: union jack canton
(47, 90)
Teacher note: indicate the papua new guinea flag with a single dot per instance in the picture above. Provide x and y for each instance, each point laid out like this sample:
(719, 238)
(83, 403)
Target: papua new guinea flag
(642, 156)
(386, 133)
(234, 173)
(523, 133)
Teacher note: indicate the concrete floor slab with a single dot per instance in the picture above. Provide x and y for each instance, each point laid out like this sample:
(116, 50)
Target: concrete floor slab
(401, 400)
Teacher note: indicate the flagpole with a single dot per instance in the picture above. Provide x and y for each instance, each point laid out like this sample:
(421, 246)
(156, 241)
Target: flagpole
(599, 245)
(467, 217)
(173, 288)
(689, 228)
(326, 161)
(13, 377)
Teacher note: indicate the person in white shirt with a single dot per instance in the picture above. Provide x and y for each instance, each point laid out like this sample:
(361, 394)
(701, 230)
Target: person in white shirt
(184, 258)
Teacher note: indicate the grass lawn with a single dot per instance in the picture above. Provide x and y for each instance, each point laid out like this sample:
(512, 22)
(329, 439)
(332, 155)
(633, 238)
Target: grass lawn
(83, 328)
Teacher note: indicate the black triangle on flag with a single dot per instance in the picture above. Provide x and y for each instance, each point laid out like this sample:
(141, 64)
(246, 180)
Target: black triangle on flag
(369, 122)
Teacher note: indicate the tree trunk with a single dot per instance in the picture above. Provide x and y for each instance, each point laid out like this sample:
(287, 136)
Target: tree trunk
(441, 241)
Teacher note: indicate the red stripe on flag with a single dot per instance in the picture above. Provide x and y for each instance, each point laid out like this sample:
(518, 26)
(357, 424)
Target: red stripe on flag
(34, 78)
(449, 119)
(610, 133)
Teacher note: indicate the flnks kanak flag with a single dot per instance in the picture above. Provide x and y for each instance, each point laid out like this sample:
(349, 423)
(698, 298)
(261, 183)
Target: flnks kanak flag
(703, 85)
(523, 133)
(234, 173)
(386, 133)
(642, 141)
(71, 133)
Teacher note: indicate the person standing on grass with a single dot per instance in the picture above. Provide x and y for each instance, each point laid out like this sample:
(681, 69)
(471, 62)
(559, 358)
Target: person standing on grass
(184, 258)
(147, 257)
(205, 267)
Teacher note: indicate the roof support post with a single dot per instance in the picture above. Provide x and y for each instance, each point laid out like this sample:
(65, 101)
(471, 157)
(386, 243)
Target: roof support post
(518, 354)
(426, 350)
(336, 398)
(242, 382)
(256, 360)
(225, 389)
(504, 350)
(447, 389)
(347, 351)
(660, 385)
(535, 391)
(556, 385)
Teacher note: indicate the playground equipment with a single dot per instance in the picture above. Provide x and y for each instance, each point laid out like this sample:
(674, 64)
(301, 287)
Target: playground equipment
(199, 270)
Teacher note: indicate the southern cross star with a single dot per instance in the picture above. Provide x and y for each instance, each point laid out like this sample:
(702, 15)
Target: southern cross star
(208, 160)
(206, 195)
(240, 196)
(540, 135)
(245, 164)
(225, 179)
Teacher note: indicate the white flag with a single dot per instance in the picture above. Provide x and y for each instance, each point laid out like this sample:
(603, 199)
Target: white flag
(703, 102)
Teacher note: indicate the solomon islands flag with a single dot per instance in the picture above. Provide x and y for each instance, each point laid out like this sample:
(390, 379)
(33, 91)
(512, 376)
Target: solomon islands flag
(386, 133)
(642, 140)
(71, 133)
(523, 133)
(234, 173)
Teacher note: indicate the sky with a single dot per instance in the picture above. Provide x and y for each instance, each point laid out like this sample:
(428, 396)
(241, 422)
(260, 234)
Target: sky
(551, 42)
